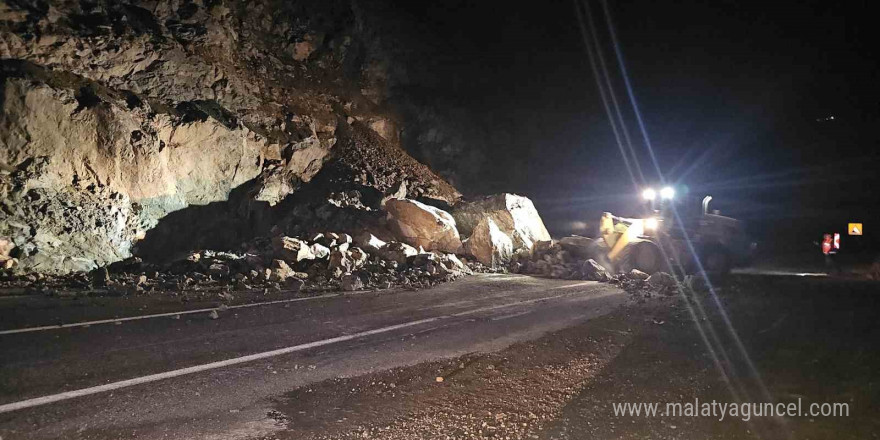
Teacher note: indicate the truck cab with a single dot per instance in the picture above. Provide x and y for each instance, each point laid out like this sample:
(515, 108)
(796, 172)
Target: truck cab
(720, 242)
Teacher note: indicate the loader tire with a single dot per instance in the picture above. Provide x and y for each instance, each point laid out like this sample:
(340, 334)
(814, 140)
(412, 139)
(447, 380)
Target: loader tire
(644, 256)
(647, 258)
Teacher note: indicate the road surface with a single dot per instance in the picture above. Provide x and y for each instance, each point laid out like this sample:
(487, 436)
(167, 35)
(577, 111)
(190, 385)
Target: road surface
(197, 376)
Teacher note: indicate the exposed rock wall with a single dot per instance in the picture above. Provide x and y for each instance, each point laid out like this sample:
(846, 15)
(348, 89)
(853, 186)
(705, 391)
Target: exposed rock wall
(121, 115)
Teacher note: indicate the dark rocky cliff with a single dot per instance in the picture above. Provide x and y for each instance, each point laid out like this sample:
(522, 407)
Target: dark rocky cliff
(117, 114)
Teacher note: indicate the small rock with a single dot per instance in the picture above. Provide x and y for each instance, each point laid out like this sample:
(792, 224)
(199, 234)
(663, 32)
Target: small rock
(638, 275)
(320, 251)
(340, 259)
(661, 280)
(100, 277)
(280, 271)
(351, 282)
(293, 249)
(593, 271)
(218, 270)
(358, 257)
(294, 284)
(397, 251)
(369, 242)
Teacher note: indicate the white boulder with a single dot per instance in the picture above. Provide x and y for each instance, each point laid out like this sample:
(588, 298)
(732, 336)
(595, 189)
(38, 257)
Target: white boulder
(488, 244)
(418, 224)
(514, 215)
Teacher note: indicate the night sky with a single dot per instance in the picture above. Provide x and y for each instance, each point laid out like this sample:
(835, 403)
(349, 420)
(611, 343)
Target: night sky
(730, 93)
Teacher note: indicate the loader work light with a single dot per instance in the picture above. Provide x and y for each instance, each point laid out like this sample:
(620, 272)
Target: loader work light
(667, 193)
(649, 194)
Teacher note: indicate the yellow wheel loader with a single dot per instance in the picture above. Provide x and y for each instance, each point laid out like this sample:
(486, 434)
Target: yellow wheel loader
(660, 242)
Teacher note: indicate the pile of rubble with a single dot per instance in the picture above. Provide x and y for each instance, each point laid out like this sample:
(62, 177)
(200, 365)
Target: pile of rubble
(568, 259)
(324, 261)
(406, 242)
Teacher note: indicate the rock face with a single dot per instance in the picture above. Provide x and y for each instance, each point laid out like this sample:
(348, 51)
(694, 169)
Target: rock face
(489, 244)
(418, 224)
(513, 215)
(156, 127)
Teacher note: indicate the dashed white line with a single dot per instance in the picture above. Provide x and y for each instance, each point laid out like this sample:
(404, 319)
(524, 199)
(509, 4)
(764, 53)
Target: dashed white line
(157, 315)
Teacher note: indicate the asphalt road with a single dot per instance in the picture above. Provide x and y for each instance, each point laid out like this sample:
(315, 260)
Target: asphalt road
(198, 377)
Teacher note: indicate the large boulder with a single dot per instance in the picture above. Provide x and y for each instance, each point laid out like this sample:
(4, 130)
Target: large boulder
(514, 215)
(319, 251)
(488, 244)
(418, 224)
(578, 246)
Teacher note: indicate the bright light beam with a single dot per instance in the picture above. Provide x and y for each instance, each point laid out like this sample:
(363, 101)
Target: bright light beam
(650, 149)
(596, 76)
(620, 120)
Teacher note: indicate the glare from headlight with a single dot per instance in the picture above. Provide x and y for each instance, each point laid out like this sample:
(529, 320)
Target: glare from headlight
(651, 223)
(667, 192)
(649, 194)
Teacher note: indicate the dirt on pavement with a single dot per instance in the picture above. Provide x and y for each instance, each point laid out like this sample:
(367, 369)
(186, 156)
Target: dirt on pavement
(807, 339)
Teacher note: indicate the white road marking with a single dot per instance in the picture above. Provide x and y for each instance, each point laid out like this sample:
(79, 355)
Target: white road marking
(158, 315)
(39, 401)
(511, 315)
(753, 271)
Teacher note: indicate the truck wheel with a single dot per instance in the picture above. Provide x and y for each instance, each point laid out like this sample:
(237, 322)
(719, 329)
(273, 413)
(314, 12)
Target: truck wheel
(716, 261)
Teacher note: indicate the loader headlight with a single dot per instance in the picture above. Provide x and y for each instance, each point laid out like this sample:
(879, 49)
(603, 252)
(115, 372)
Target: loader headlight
(667, 193)
(651, 224)
(649, 194)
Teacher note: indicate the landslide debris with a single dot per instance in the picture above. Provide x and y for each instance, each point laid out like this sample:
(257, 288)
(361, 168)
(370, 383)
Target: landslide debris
(322, 262)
